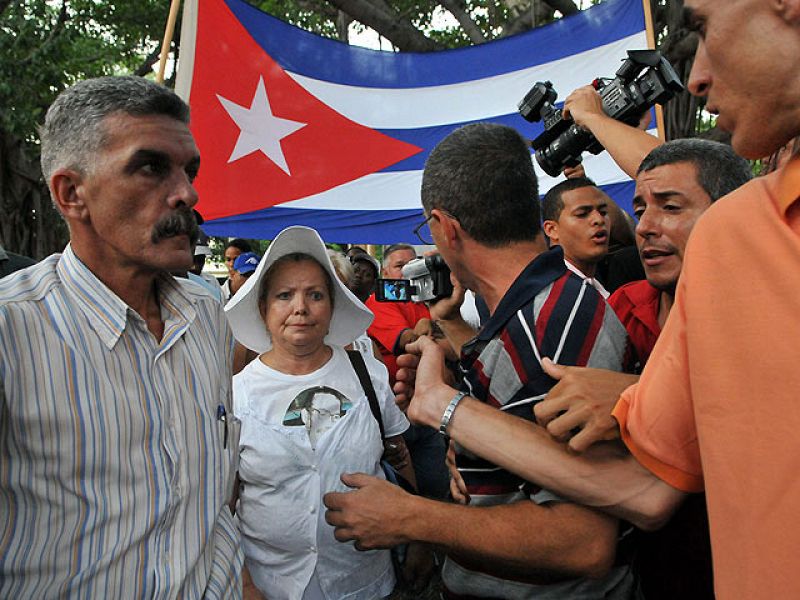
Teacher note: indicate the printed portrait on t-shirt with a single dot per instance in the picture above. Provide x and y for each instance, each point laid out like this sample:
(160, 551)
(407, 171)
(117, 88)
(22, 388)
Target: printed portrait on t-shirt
(317, 409)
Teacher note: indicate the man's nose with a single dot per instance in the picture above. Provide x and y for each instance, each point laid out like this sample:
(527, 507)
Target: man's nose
(646, 226)
(700, 76)
(182, 192)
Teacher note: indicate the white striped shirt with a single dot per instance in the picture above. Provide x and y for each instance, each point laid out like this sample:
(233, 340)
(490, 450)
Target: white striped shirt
(113, 472)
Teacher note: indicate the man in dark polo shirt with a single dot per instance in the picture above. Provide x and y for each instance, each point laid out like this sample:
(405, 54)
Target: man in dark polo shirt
(10, 262)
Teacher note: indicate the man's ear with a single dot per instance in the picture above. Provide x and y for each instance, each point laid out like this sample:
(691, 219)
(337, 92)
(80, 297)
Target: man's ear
(66, 187)
(550, 229)
(450, 228)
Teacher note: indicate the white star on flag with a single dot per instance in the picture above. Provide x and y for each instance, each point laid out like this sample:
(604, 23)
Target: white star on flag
(259, 129)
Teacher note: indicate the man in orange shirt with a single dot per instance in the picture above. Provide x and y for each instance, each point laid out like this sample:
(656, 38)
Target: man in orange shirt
(716, 407)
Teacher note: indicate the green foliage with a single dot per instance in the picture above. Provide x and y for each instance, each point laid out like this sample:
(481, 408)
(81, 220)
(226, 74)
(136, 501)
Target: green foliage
(47, 45)
(312, 15)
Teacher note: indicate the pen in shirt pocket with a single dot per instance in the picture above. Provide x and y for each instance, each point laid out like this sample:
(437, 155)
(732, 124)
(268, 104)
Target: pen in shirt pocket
(222, 415)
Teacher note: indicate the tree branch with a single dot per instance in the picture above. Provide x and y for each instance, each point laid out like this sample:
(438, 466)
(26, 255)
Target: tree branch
(390, 25)
(565, 7)
(148, 63)
(456, 8)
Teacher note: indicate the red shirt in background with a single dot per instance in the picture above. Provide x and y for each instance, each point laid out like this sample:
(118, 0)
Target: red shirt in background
(391, 319)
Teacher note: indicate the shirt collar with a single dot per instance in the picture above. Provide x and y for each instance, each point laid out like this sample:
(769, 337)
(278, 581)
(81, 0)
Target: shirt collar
(789, 185)
(590, 280)
(646, 301)
(106, 312)
(540, 272)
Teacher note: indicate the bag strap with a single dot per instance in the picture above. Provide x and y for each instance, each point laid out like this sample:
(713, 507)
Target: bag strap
(360, 368)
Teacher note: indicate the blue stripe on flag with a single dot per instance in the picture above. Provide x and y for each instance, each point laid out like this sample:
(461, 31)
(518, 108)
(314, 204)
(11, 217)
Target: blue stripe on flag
(305, 53)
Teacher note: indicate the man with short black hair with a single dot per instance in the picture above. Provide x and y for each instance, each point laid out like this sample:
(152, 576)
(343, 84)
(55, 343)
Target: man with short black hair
(479, 193)
(676, 183)
(233, 249)
(575, 217)
(116, 454)
(365, 273)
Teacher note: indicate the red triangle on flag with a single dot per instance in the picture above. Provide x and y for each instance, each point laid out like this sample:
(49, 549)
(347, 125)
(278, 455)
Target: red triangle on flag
(324, 149)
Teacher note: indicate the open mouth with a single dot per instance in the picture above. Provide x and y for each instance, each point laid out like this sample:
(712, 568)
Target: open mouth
(601, 237)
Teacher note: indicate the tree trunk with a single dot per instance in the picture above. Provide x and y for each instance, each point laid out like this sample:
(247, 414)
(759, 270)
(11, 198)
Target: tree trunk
(29, 224)
(457, 9)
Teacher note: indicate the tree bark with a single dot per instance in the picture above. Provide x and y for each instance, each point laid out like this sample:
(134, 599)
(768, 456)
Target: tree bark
(388, 23)
(343, 21)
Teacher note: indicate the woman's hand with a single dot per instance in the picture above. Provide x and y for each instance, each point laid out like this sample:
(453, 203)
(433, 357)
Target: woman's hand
(396, 453)
(418, 567)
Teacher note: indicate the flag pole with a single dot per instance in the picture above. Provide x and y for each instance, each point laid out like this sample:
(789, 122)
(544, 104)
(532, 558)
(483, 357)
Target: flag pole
(651, 44)
(168, 33)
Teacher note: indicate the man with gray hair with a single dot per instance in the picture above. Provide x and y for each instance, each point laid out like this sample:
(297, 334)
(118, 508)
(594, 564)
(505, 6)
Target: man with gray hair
(116, 452)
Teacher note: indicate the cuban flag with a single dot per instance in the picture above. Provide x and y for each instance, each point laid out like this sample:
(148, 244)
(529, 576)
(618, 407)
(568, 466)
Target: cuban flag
(296, 129)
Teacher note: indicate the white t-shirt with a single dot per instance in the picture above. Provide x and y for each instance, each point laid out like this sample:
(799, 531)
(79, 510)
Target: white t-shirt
(284, 476)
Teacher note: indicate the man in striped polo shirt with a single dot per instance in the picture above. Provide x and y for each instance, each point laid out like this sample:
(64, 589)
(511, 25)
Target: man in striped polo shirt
(516, 540)
(115, 447)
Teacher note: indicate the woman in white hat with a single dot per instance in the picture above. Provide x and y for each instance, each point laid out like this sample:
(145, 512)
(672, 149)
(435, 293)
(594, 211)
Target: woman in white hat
(305, 420)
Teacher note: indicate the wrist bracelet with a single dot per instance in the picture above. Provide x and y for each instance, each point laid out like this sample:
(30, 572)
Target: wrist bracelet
(448, 412)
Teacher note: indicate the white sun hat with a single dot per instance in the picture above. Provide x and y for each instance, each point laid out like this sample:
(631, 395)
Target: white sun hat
(350, 317)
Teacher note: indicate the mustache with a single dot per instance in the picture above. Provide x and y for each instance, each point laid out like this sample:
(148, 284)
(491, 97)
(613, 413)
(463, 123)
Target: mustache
(180, 222)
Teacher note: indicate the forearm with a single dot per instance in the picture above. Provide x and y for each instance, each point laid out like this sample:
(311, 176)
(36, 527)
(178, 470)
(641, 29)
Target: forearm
(605, 477)
(401, 461)
(569, 541)
(627, 145)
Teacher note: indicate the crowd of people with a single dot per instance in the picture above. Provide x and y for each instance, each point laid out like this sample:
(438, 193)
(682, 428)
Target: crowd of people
(602, 408)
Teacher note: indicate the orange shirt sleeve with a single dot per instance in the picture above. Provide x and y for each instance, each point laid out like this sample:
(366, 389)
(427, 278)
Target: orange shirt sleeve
(656, 416)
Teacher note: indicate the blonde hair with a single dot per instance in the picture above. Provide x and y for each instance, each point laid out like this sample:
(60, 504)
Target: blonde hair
(342, 266)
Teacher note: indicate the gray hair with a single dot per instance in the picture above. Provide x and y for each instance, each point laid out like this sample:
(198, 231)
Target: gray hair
(719, 169)
(73, 132)
(482, 175)
(342, 266)
(395, 248)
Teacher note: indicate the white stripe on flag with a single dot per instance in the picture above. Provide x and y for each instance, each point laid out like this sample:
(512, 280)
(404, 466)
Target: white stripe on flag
(399, 190)
(409, 108)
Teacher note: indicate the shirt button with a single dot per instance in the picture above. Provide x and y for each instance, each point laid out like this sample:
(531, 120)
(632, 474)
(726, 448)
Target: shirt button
(313, 548)
(313, 467)
(312, 509)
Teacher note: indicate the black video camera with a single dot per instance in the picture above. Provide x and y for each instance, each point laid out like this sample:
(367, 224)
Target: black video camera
(644, 79)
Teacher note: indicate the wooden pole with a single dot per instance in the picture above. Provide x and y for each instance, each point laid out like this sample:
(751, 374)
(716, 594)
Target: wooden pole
(651, 44)
(168, 34)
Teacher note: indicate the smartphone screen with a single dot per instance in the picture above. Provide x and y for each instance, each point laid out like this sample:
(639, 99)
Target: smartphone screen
(393, 290)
